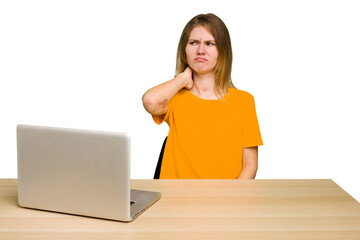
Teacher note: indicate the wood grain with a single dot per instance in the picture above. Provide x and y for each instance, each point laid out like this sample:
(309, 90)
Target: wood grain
(203, 209)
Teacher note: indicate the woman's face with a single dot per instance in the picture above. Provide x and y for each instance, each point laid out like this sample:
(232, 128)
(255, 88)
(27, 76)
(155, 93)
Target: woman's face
(201, 51)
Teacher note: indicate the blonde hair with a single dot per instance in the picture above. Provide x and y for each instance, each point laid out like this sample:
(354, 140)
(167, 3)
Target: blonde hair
(222, 42)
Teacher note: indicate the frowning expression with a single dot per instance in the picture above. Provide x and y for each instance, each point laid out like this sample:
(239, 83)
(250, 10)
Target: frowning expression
(201, 51)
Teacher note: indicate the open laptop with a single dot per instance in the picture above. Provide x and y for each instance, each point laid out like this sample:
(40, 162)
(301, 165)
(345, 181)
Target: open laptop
(78, 172)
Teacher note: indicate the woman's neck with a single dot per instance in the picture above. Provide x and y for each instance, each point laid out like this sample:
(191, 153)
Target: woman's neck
(204, 86)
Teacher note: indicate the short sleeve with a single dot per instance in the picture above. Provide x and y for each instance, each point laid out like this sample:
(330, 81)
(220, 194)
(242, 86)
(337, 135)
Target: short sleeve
(251, 130)
(159, 119)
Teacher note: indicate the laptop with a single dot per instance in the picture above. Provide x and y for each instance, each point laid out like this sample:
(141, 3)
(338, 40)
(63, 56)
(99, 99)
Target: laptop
(78, 172)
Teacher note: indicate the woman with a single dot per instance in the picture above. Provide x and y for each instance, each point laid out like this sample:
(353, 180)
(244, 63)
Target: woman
(214, 132)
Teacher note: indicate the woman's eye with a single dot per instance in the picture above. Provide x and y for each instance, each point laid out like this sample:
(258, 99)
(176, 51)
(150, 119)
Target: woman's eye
(206, 43)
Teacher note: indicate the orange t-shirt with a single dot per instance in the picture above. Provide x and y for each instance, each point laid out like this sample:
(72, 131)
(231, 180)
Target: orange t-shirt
(206, 137)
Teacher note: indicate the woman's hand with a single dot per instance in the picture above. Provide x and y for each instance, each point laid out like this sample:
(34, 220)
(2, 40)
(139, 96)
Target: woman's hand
(156, 99)
(189, 82)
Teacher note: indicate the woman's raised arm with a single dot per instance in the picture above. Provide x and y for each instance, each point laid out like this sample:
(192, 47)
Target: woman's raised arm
(156, 99)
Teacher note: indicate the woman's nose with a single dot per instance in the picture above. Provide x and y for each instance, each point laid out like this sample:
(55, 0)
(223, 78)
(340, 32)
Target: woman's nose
(201, 49)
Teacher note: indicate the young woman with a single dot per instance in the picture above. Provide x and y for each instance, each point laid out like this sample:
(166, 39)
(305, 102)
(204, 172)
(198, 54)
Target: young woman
(214, 131)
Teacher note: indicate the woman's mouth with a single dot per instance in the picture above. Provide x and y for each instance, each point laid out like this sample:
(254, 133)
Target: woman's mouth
(199, 59)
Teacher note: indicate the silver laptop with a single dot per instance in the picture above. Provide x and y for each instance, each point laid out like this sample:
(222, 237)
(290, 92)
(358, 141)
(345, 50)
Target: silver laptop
(78, 172)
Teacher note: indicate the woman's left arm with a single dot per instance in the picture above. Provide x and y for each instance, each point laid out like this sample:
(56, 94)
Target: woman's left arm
(250, 163)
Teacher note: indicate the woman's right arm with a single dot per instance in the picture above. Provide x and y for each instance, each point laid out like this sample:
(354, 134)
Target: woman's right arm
(156, 99)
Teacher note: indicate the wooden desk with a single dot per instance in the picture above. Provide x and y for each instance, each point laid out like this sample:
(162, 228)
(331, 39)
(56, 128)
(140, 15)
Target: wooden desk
(203, 209)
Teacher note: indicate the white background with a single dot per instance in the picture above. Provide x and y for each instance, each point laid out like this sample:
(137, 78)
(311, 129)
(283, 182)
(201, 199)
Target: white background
(86, 64)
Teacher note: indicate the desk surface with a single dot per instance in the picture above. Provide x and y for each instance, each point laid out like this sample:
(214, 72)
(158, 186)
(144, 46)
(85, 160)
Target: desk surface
(203, 209)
